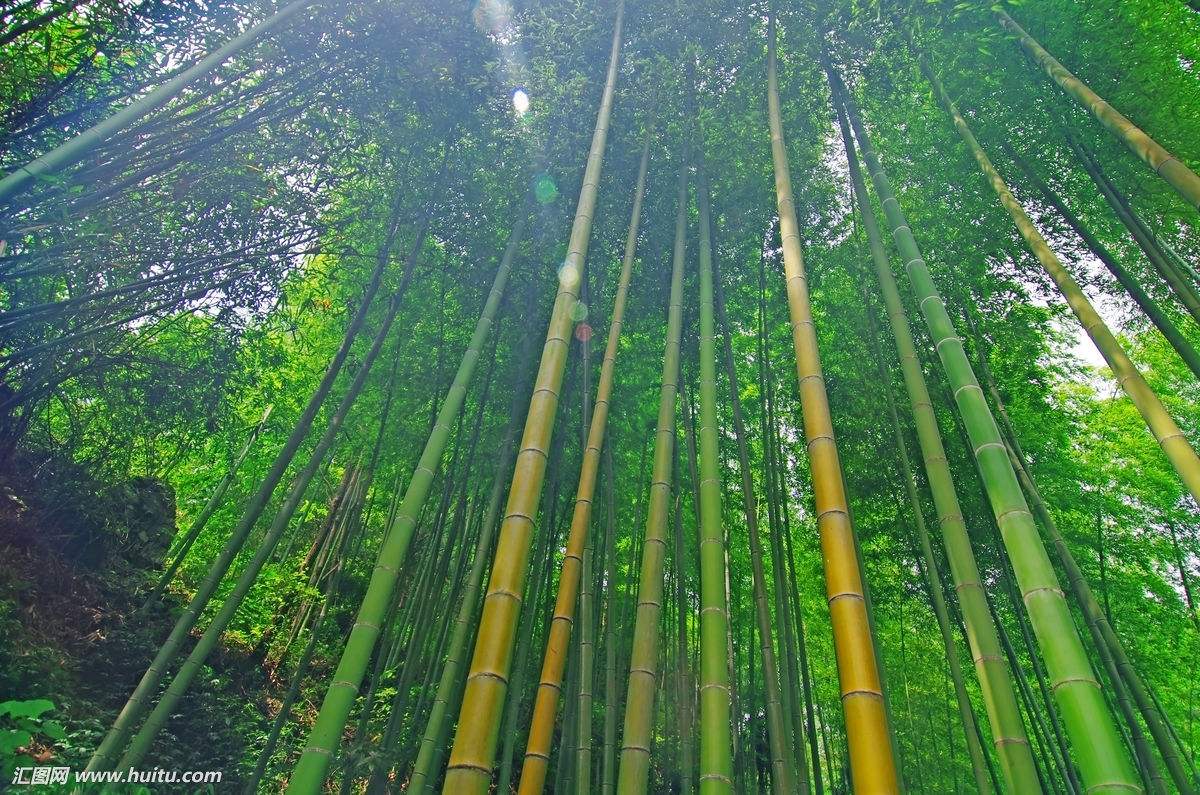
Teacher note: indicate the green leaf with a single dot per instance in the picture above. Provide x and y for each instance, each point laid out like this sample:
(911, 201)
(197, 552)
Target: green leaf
(54, 730)
(12, 739)
(26, 709)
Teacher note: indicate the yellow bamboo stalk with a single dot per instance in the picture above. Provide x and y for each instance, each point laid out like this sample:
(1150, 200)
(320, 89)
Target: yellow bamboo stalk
(545, 707)
(1165, 164)
(475, 740)
(872, 764)
(1170, 438)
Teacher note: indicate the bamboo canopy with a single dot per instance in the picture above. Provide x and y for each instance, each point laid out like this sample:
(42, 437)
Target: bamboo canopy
(402, 396)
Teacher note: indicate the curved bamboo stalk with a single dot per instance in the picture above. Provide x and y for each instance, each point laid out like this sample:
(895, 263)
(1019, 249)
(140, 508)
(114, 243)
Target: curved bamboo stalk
(636, 737)
(545, 707)
(78, 147)
(1011, 743)
(1165, 164)
(214, 502)
(1174, 444)
(471, 759)
(148, 685)
(1097, 742)
(871, 759)
(325, 735)
(1127, 280)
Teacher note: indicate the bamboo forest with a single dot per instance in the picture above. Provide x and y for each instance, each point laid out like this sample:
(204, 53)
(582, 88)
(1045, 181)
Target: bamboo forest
(600, 396)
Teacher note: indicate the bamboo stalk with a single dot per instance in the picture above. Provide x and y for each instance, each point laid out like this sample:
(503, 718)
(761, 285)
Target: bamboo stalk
(1165, 164)
(637, 734)
(871, 757)
(545, 708)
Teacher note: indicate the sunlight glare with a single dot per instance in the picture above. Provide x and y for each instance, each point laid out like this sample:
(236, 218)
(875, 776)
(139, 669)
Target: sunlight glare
(520, 101)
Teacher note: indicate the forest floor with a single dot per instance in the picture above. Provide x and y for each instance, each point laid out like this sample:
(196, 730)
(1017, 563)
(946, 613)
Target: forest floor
(66, 636)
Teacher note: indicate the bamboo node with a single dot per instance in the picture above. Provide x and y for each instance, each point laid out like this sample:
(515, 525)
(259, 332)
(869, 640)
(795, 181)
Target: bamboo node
(1011, 741)
(862, 693)
(1071, 680)
(1051, 588)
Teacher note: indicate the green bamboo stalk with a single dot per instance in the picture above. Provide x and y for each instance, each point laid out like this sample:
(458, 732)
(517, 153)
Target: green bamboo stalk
(1147, 304)
(716, 762)
(78, 147)
(309, 773)
(933, 580)
(1097, 743)
(611, 607)
(583, 731)
(114, 741)
(1165, 164)
(636, 738)
(686, 689)
(1011, 744)
(582, 767)
(786, 777)
(1170, 438)
(1104, 635)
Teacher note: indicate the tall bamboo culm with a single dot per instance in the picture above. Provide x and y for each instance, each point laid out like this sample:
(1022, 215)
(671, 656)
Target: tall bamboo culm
(633, 770)
(77, 148)
(1011, 744)
(545, 708)
(788, 773)
(1099, 750)
(716, 760)
(474, 749)
(1174, 444)
(1165, 164)
(325, 735)
(873, 766)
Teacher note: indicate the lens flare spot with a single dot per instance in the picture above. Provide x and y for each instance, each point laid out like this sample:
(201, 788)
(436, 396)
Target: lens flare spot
(568, 275)
(520, 101)
(544, 189)
(579, 312)
(583, 332)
